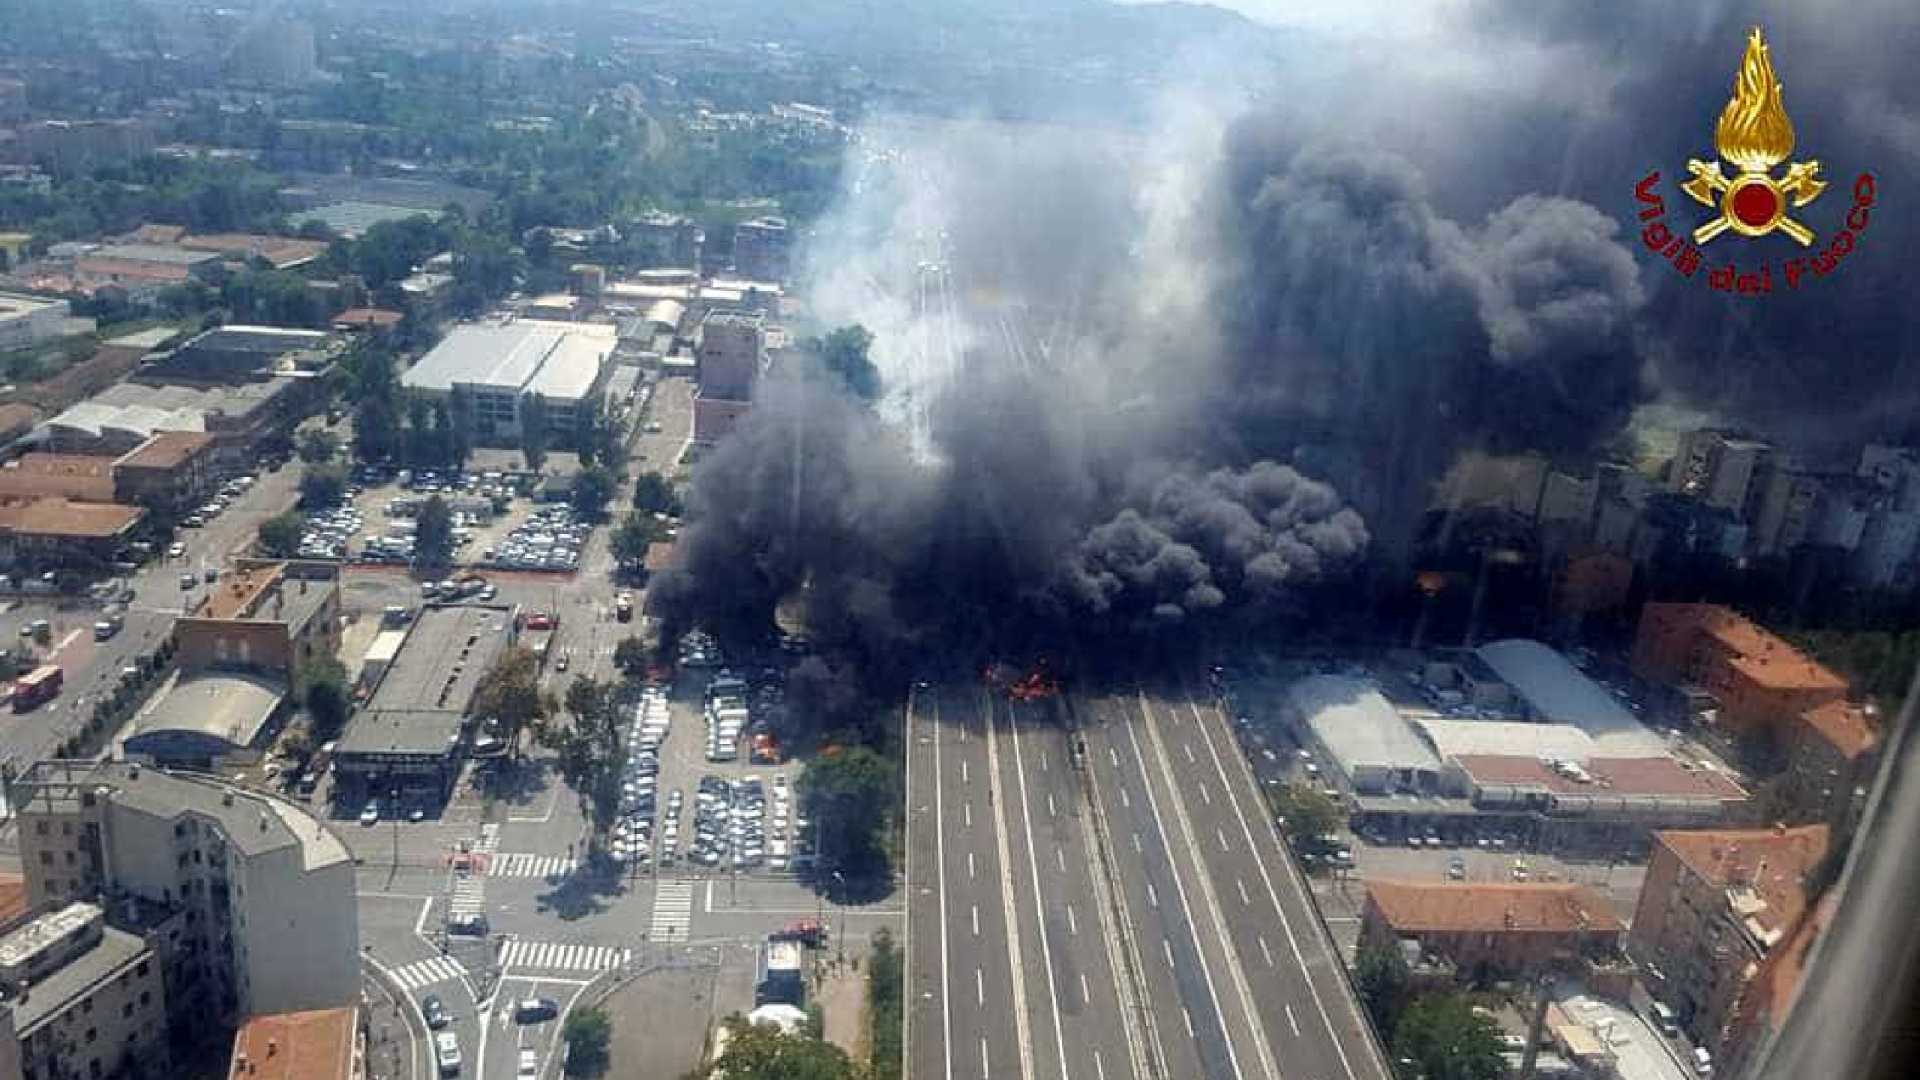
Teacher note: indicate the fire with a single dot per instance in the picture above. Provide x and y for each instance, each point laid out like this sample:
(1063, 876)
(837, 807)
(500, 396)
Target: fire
(1036, 684)
(1754, 132)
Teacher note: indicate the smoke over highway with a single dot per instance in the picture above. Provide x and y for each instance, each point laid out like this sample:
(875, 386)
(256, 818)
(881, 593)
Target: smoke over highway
(1137, 379)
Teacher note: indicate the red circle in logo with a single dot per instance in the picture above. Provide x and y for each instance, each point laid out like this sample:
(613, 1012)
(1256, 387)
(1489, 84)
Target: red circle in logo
(1755, 205)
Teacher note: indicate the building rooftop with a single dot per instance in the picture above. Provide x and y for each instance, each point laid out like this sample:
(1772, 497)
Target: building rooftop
(441, 662)
(1358, 725)
(1844, 726)
(315, 1045)
(1562, 694)
(204, 713)
(1502, 738)
(254, 822)
(1636, 1051)
(424, 732)
(364, 318)
(164, 254)
(1553, 907)
(143, 408)
(1764, 870)
(64, 518)
(570, 369)
(165, 450)
(1607, 778)
(282, 252)
(1758, 653)
(492, 354)
(80, 477)
(116, 951)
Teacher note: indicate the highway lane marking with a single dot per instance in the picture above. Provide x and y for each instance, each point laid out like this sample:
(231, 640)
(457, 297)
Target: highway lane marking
(1136, 846)
(1264, 951)
(1205, 795)
(1153, 895)
(1039, 908)
(1023, 1038)
(1168, 946)
(1291, 1022)
(986, 1068)
(1086, 996)
(1073, 925)
(963, 771)
(1222, 834)
(1273, 894)
(1115, 755)
(1187, 1015)
(1125, 799)
(967, 809)
(1043, 761)
(980, 987)
(1188, 747)
(970, 872)
(1060, 856)
(940, 871)
(1204, 882)
(1245, 900)
(976, 920)
(1099, 1070)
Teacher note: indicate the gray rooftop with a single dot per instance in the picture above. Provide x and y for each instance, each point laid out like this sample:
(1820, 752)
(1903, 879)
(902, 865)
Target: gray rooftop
(421, 699)
(1562, 694)
(48, 998)
(503, 355)
(157, 253)
(410, 732)
(212, 711)
(1359, 726)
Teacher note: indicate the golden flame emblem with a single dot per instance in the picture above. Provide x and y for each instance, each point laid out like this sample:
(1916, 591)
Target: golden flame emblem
(1755, 135)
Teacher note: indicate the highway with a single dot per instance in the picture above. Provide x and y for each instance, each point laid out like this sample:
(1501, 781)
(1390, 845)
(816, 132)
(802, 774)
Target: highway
(1159, 930)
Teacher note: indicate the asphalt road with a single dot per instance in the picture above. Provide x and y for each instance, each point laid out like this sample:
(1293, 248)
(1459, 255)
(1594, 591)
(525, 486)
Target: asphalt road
(1270, 999)
(1124, 910)
(1014, 962)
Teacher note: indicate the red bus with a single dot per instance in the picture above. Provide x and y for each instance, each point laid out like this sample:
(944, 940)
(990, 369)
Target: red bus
(40, 684)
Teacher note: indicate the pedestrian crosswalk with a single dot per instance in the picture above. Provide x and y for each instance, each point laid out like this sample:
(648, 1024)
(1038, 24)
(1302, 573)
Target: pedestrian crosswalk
(427, 972)
(489, 839)
(672, 911)
(549, 956)
(527, 864)
(468, 900)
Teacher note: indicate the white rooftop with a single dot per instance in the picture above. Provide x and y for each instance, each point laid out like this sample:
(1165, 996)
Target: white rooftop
(1457, 738)
(1559, 692)
(571, 369)
(1358, 725)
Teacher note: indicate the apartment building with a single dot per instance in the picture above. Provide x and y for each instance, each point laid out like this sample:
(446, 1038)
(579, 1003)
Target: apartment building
(1761, 683)
(1714, 905)
(263, 892)
(79, 998)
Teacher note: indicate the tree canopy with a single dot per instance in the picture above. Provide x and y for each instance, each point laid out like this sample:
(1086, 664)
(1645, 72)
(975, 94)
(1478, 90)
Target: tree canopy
(1440, 1037)
(849, 790)
(763, 1052)
(322, 686)
(322, 486)
(509, 693)
(592, 490)
(280, 534)
(433, 533)
(588, 1034)
(844, 354)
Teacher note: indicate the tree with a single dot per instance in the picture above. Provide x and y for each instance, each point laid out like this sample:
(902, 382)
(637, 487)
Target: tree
(322, 486)
(589, 1038)
(589, 751)
(317, 447)
(375, 390)
(592, 489)
(764, 1052)
(631, 657)
(654, 493)
(533, 432)
(1440, 1037)
(850, 791)
(509, 694)
(1381, 976)
(1305, 814)
(630, 541)
(886, 1001)
(844, 355)
(322, 686)
(433, 533)
(280, 534)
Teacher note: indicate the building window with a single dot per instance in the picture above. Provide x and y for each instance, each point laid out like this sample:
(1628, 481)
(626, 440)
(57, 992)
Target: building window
(46, 858)
(40, 827)
(142, 972)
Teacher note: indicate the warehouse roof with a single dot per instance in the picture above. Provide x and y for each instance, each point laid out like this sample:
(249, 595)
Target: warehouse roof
(1458, 738)
(1559, 692)
(485, 354)
(205, 713)
(570, 369)
(65, 519)
(1358, 725)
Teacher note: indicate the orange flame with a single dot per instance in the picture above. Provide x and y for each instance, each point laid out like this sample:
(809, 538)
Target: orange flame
(1754, 132)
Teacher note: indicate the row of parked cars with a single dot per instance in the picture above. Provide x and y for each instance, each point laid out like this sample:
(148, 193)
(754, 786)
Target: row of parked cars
(550, 539)
(230, 491)
(735, 823)
(328, 531)
(639, 786)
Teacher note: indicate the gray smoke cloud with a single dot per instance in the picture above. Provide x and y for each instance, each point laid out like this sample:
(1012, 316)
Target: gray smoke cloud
(1139, 378)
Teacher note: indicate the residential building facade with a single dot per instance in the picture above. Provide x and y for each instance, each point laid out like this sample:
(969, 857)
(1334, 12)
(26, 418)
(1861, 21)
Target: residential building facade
(81, 998)
(1504, 929)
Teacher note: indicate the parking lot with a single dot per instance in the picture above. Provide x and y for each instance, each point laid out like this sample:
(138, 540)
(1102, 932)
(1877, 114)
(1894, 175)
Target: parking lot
(494, 526)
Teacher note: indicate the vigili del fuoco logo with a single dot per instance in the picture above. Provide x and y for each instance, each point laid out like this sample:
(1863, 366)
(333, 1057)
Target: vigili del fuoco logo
(1754, 137)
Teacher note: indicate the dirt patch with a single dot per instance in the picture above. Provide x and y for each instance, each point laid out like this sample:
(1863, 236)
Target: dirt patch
(842, 996)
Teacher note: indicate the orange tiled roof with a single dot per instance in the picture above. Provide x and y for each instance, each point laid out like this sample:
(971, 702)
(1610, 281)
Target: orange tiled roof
(313, 1045)
(1773, 861)
(73, 476)
(64, 518)
(1759, 654)
(240, 590)
(1843, 726)
(166, 450)
(1555, 907)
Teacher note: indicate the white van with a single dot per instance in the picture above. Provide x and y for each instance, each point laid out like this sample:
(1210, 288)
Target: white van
(446, 1052)
(1702, 1062)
